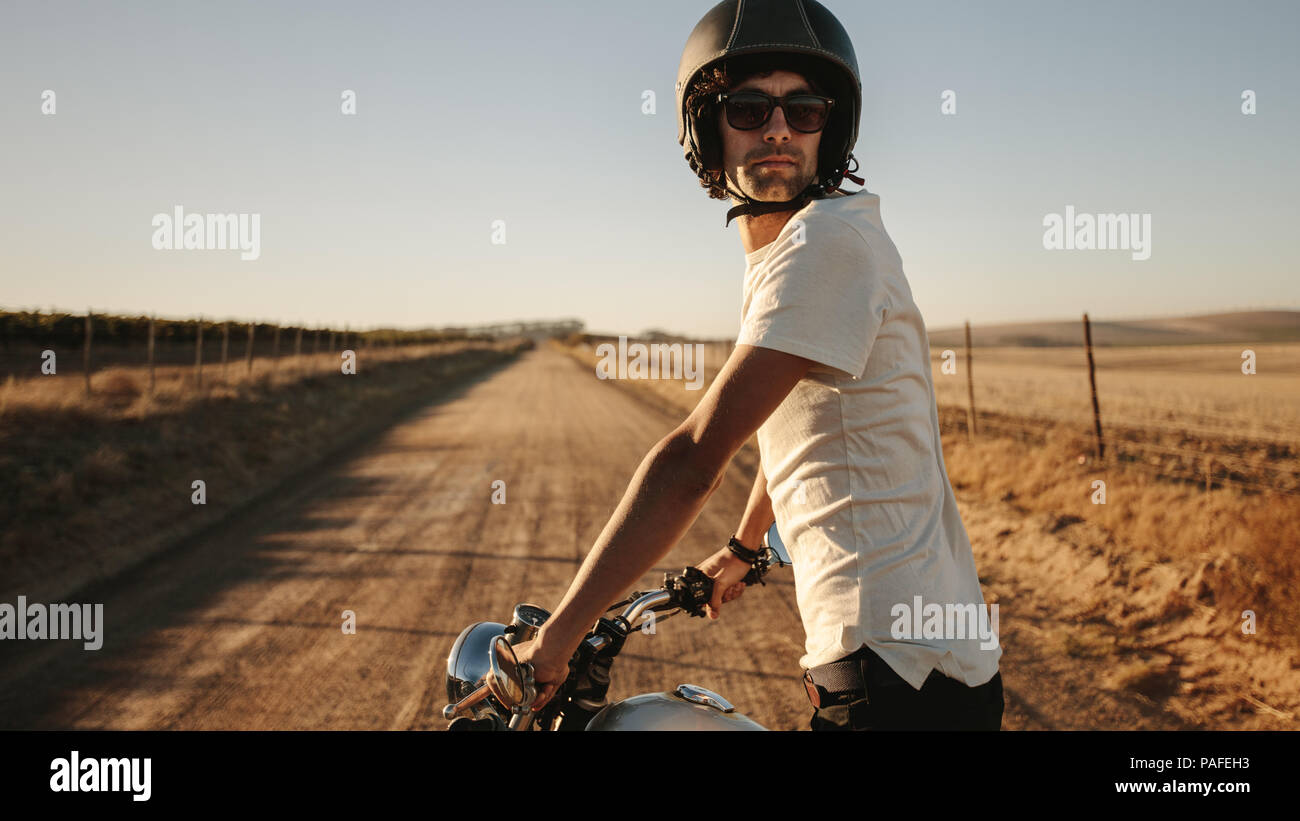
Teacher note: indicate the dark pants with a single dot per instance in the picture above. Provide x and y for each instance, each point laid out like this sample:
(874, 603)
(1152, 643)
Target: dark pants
(942, 703)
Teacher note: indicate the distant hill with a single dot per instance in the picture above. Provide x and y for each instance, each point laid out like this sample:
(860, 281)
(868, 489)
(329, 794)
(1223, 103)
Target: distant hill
(1242, 326)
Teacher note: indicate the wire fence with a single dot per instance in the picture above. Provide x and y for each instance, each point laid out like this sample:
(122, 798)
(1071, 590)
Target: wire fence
(1192, 445)
(34, 343)
(1208, 450)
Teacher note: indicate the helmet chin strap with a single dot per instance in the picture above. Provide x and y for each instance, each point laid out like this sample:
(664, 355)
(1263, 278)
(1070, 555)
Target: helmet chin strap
(754, 208)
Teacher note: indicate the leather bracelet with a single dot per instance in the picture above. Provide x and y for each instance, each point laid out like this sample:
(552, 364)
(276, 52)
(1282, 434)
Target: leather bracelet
(741, 552)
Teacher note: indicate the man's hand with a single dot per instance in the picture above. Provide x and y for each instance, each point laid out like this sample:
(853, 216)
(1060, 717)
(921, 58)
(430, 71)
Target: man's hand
(726, 569)
(550, 665)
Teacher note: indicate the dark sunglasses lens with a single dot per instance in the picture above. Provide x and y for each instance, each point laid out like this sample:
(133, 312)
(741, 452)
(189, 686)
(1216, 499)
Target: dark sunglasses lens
(745, 111)
(806, 113)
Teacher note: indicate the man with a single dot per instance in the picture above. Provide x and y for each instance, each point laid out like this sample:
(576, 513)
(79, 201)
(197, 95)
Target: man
(832, 370)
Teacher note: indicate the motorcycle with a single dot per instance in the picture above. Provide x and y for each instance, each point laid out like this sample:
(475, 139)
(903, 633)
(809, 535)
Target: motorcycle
(489, 689)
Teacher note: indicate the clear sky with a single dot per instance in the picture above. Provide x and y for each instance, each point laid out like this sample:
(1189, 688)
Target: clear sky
(531, 113)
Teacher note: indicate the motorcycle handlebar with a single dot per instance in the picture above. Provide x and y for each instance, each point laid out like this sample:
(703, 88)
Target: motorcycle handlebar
(689, 590)
(643, 603)
(632, 613)
(690, 584)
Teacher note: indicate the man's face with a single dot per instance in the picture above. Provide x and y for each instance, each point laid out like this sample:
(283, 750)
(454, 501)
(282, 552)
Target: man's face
(750, 158)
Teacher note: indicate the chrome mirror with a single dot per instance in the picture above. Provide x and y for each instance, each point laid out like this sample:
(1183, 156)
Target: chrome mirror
(507, 679)
(774, 543)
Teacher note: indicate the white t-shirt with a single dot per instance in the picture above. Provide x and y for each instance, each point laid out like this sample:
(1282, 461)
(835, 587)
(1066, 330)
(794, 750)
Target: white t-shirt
(852, 456)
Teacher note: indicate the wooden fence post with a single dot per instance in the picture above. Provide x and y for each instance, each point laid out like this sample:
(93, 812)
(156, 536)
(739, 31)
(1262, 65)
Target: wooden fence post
(1092, 384)
(85, 354)
(275, 348)
(225, 346)
(248, 350)
(198, 354)
(297, 351)
(151, 377)
(970, 388)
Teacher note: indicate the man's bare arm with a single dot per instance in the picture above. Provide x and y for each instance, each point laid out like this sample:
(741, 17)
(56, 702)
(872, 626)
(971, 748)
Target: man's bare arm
(758, 514)
(672, 484)
(664, 497)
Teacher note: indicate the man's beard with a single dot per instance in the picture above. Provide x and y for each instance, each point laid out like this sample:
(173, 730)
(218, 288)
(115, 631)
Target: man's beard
(776, 186)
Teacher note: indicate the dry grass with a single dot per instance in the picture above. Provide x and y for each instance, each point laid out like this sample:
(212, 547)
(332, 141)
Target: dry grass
(1177, 405)
(123, 392)
(1198, 389)
(1245, 541)
(92, 484)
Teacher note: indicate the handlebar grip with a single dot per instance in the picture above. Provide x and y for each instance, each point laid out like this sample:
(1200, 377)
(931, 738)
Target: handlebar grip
(691, 590)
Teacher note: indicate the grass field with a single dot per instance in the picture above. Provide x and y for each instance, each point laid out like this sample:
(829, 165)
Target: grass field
(1194, 388)
(1174, 417)
(90, 484)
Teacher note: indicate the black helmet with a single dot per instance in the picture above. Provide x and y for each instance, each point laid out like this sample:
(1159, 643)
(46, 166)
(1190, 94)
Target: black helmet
(799, 35)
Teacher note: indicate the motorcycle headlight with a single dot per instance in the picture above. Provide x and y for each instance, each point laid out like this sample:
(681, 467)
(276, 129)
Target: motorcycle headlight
(467, 663)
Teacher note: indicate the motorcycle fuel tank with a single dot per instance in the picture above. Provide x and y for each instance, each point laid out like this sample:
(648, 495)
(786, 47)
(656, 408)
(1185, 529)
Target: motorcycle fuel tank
(687, 708)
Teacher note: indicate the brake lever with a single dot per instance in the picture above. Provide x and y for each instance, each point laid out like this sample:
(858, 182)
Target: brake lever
(530, 683)
(521, 716)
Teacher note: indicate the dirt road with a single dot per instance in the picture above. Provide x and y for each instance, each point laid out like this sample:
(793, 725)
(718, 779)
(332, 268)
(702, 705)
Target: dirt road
(240, 629)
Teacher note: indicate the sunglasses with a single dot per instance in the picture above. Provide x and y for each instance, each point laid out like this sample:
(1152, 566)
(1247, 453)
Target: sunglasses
(747, 110)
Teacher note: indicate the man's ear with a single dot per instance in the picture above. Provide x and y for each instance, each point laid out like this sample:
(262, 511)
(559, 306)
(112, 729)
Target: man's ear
(712, 155)
(709, 141)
